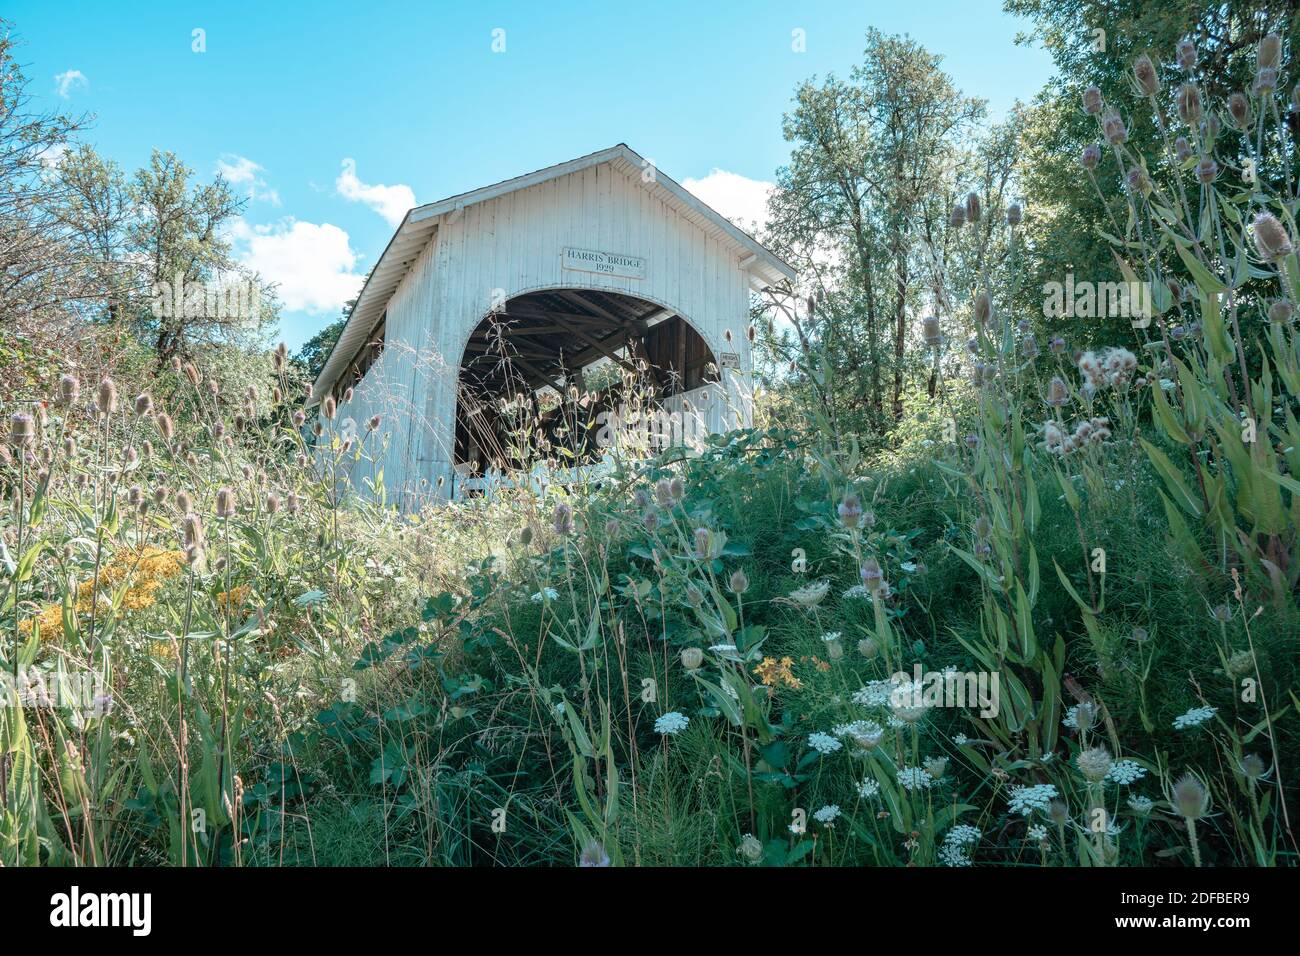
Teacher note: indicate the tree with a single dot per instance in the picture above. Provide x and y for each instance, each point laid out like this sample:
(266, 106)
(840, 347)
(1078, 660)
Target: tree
(873, 168)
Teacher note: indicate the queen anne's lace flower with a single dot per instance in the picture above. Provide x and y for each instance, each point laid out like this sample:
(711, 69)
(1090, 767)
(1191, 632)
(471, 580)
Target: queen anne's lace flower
(874, 694)
(1025, 800)
(671, 723)
(868, 789)
(1036, 833)
(545, 594)
(1194, 717)
(1124, 772)
(827, 814)
(823, 743)
(957, 844)
(914, 778)
(1140, 805)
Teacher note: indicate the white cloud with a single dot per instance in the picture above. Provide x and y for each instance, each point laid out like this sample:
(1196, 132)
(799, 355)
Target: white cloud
(240, 170)
(69, 80)
(311, 263)
(739, 198)
(391, 202)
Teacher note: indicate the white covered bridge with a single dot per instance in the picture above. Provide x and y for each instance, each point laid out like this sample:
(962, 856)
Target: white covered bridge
(570, 280)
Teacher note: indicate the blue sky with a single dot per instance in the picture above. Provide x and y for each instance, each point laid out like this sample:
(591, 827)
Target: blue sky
(332, 117)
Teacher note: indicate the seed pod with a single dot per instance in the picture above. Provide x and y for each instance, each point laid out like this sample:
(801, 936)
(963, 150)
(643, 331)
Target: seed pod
(1145, 75)
(166, 427)
(1090, 156)
(272, 502)
(1239, 110)
(225, 503)
(299, 418)
(1058, 393)
(1092, 101)
(973, 208)
(1182, 149)
(69, 389)
(1113, 128)
(957, 218)
(1207, 171)
(1137, 179)
(1268, 55)
(328, 407)
(106, 396)
(1265, 81)
(1190, 109)
(293, 504)
(692, 658)
(22, 430)
(1271, 238)
(1186, 55)
(1014, 214)
(850, 510)
(347, 396)
(192, 374)
(373, 424)
(143, 404)
(1280, 311)
(983, 308)
(930, 331)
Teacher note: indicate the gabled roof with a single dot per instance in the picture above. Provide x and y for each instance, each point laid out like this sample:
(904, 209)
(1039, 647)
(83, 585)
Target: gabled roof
(419, 225)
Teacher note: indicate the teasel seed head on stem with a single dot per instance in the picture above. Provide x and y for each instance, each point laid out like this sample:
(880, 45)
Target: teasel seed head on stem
(1268, 55)
(1186, 55)
(1113, 128)
(1145, 75)
(1092, 101)
(1090, 156)
(106, 396)
(1190, 109)
(1271, 239)
(1190, 797)
(69, 389)
(22, 430)
(1239, 110)
(225, 507)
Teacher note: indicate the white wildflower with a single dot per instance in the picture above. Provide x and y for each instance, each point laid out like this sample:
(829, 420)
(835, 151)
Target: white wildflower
(671, 723)
(823, 743)
(1194, 717)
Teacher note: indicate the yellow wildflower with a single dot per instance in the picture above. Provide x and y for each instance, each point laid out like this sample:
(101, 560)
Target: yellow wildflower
(774, 673)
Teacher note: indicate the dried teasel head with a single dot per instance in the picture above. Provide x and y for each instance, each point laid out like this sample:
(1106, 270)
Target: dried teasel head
(1190, 797)
(22, 430)
(1271, 239)
(1280, 311)
(1113, 128)
(69, 390)
(1190, 109)
(983, 309)
(106, 396)
(329, 407)
(1090, 156)
(1182, 149)
(1186, 55)
(1145, 76)
(166, 427)
(1092, 101)
(143, 404)
(738, 583)
(972, 207)
(1014, 214)
(957, 218)
(1239, 110)
(1265, 81)
(225, 506)
(1268, 55)
(931, 332)
(1207, 171)
(272, 502)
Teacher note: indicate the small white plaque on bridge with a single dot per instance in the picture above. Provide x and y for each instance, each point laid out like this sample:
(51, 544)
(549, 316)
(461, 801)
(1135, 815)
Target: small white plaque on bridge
(604, 263)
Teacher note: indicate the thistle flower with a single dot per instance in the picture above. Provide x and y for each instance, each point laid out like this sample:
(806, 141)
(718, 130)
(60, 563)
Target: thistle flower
(1186, 55)
(1145, 75)
(1090, 156)
(22, 430)
(1113, 128)
(106, 396)
(1092, 101)
(1207, 171)
(69, 389)
(143, 404)
(1057, 345)
(1271, 239)
(225, 503)
(1268, 55)
(1190, 108)
(192, 531)
(1239, 110)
